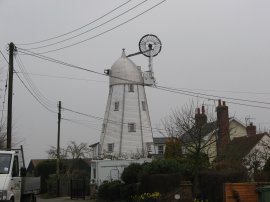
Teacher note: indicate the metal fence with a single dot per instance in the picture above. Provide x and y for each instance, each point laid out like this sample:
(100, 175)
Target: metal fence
(79, 188)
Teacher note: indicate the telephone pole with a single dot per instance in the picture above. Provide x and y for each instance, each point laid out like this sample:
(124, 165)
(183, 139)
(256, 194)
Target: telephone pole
(12, 48)
(58, 150)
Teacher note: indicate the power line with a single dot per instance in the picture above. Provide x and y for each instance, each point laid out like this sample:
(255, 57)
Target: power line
(101, 81)
(62, 77)
(98, 26)
(4, 57)
(227, 91)
(209, 95)
(4, 101)
(93, 21)
(2, 115)
(108, 30)
(80, 123)
(168, 89)
(31, 84)
(34, 95)
(208, 98)
(109, 120)
(38, 55)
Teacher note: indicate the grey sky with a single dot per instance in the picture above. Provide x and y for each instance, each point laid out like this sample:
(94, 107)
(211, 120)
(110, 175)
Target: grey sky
(207, 45)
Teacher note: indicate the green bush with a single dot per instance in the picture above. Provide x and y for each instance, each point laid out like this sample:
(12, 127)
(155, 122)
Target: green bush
(114, 190)
(129, 190)
(131, 173)
(110, 190)
(162, 183)
(163, 166)
(103, 189)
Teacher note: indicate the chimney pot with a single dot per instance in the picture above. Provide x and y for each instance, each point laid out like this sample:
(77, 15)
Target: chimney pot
(203, 111)
(198, 111)
(251, 129)
(219, 102)
(224, 103)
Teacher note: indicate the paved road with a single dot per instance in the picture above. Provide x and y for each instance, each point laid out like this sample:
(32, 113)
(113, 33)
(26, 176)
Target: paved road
(65, 199)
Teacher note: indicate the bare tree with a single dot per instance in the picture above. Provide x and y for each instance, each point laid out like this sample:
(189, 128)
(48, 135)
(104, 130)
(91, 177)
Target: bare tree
(76, 151)
(52, 153)
(257, 157)
(196, 135)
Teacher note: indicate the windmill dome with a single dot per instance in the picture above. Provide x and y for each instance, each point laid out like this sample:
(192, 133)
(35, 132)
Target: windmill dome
(126, 69)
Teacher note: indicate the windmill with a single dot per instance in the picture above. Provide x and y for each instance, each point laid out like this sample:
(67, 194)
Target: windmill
(126, 130)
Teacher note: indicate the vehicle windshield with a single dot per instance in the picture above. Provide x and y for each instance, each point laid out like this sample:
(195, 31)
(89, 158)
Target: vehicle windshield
(5, 160)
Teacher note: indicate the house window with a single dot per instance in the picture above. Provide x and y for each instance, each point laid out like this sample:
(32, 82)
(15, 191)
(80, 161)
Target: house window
(95, 173)
(131, 127)
(148, 146)
(143, 105)
(110, 147)
(116, 106)
(103, 128)
(160, 149)
(130, 88)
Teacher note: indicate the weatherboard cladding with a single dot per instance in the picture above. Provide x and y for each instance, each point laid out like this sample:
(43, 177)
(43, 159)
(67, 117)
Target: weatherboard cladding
(130, 111)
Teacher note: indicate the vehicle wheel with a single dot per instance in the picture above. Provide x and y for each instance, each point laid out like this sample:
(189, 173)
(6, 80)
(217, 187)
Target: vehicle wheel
(31, 198)
(12, 199)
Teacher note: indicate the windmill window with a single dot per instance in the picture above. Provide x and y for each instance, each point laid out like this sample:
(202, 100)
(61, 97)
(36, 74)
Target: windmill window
(110, 147)
(131, 127)
(103, 128)
(143, 105)
(130, 88)
(116, 106)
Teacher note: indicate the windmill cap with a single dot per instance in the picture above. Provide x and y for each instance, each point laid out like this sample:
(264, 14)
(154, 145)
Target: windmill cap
(125, 71)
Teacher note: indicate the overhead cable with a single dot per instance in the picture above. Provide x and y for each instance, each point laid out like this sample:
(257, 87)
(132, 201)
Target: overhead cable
(104, 32)
(61, 35)
(98, 26)
(173, 90)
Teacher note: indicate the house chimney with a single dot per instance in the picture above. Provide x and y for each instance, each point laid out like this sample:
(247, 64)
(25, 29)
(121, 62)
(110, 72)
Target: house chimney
(200, 118)
(251, 129)
(223, 137)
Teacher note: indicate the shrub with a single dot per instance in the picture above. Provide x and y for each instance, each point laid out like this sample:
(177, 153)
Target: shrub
(148, 197)
(163, 166)
(110, 190)
(162, 183)
(131, 173)
(128, 190)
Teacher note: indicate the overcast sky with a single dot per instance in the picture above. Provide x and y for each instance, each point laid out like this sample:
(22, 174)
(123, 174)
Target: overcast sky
(218, 48)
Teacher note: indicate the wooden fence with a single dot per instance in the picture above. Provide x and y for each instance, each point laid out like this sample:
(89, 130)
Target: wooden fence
(236, 192)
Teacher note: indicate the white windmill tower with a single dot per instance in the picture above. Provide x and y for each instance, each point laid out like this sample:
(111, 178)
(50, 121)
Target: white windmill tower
(126, 129)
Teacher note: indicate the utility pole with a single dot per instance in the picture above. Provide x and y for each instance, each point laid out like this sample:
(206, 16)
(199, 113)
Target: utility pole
(58, 150)
(10, 95)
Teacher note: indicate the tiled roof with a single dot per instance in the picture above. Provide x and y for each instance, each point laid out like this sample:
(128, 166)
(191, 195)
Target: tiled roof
(206, 129)
(35, 162)
(239, 147)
